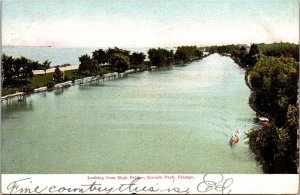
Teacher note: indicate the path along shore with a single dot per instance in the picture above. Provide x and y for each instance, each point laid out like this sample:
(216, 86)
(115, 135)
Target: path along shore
(71, 67)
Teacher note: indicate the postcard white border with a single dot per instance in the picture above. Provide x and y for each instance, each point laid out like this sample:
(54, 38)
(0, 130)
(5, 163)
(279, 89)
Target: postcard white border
(241, 183)
(150, 183)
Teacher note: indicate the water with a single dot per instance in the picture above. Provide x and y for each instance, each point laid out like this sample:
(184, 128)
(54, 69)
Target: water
(56, 55)
(171, 121)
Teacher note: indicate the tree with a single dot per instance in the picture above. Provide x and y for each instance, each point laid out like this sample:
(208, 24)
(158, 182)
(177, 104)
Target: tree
(292, 127)
(46, 65)
(18, 66)
(280, 50)
(36, 65)
(274, 83)
(119, 62)
(58, 75)
(16, 71)
(27, 69)
(253, 55)
(243, 56)
(136, 58)
(187, 53)
(160, 57)
(87, 64)
(272, 147)
(100, 56)
(7, 69)
(199, 53)
(111, 52)
(181, 56)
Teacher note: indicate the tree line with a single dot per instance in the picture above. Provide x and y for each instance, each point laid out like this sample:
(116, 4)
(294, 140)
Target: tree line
(17, 70)
(119, 60)
(246, 56)
(272, 75)
(222, 49)
(274, 85)
(114, 59)
(280, 50)
(161, 57)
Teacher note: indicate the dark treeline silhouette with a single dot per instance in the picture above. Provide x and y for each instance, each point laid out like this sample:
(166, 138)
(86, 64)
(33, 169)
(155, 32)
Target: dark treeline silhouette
(274, 85)
(112, 59)
(248, 56)
(230, 49)
(187, 53)
(119, 60)
(17, 70)
(162, 57)
(280, 50)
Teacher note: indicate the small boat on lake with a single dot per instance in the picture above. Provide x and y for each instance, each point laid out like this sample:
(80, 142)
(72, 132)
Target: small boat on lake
(262, 121)
(234, 139)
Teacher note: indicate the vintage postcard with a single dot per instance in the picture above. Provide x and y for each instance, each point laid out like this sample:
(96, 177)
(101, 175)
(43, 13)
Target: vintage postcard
(149, 97)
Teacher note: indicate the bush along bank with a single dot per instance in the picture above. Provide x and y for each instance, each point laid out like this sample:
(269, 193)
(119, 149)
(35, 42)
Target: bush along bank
(274, 85)
(273, 82)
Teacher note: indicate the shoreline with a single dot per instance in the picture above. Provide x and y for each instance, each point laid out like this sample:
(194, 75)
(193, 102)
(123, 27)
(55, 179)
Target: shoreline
(70, 67)
(84, 80)
(30, 81)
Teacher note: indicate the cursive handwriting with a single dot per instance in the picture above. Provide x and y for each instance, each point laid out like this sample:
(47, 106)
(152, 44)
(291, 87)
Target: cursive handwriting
(209, 184)
(218, 184)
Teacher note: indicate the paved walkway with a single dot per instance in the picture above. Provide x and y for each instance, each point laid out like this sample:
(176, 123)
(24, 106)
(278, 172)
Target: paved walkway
(72, 67)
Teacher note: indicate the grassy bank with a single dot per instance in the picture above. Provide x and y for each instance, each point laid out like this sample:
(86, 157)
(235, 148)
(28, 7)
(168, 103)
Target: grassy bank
(40, 80)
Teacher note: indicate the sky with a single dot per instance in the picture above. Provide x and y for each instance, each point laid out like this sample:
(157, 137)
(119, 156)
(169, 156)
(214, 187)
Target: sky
(148, 23)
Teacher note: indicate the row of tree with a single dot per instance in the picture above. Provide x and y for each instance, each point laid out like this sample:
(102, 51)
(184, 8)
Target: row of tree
(280, 50)
(162, 57)
(187, 53)
(120, 60)
(116, 59)
(274, 83)
(16, 71)
(273, 80)
(222, 49)
(241, 54)
(247, 57)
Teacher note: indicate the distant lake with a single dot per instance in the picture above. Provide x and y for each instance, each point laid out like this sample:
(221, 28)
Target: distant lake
(57, 55)
(178, 120)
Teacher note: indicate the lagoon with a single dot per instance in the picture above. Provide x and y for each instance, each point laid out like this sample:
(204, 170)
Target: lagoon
(177, 120)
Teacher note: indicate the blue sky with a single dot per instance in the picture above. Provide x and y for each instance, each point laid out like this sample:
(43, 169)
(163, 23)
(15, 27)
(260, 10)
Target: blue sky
(148, 23)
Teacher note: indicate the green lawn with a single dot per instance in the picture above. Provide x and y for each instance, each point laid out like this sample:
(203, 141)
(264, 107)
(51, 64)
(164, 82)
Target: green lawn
(40, 80)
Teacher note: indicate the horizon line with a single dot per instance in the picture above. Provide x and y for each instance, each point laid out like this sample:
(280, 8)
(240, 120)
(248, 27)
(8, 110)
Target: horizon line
(197, 45)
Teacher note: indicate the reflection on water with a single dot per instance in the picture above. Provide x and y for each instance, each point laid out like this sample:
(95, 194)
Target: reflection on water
(174, 121)
(88, 86)
(59, 91)
(16, 104)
